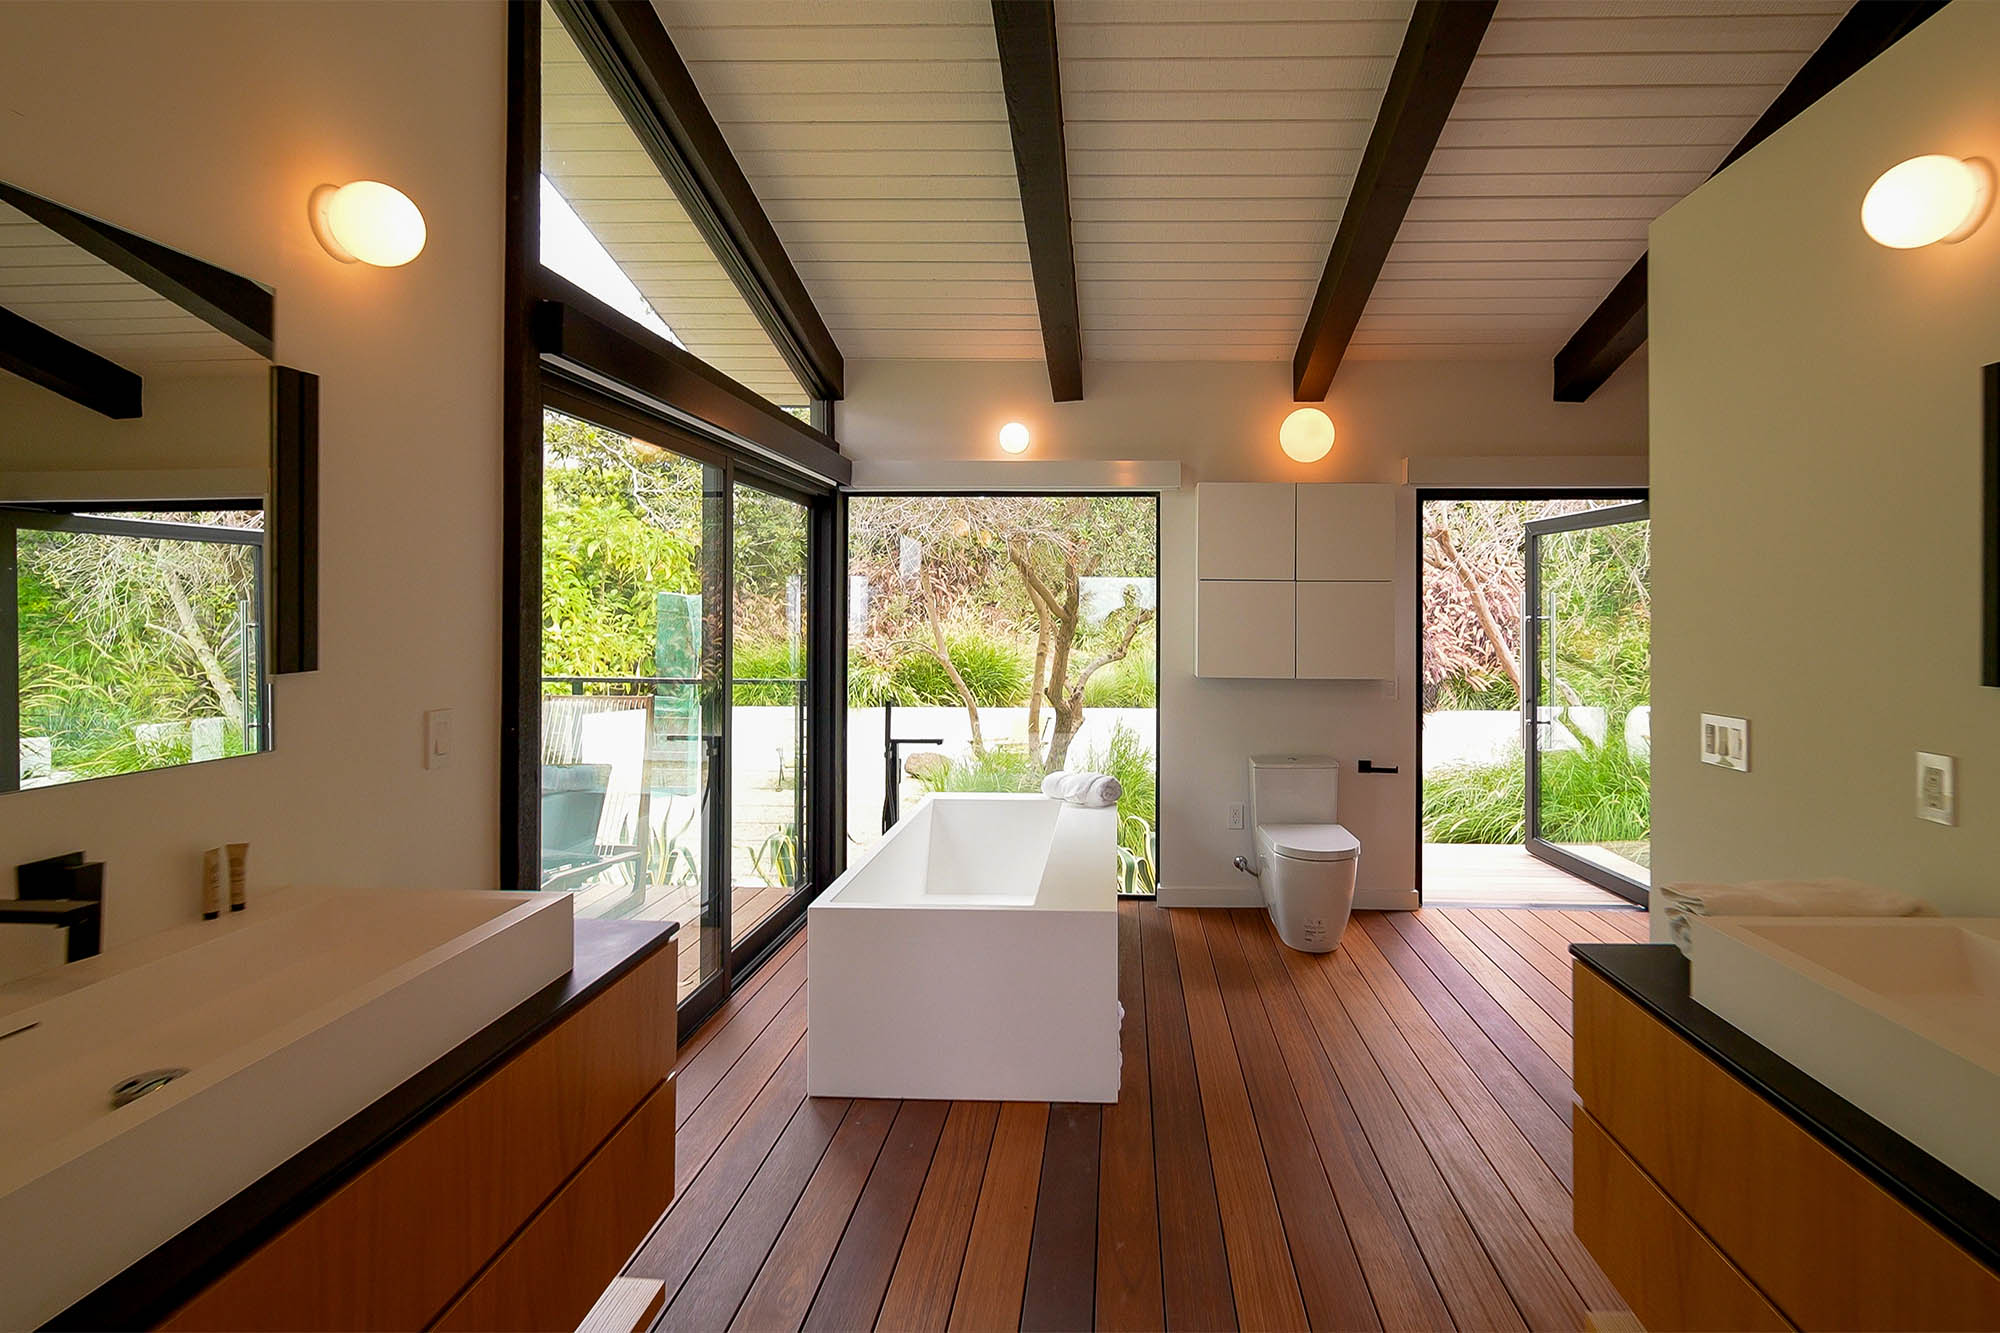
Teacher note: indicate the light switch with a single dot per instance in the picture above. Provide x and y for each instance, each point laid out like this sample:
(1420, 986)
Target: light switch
(1937, 788)
(437, 738)
(1725, 742)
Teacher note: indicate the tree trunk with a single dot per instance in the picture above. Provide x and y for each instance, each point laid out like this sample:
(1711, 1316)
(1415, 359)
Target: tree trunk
(1442, 536)
(197, 644)
(943, 654)
(1068, 712)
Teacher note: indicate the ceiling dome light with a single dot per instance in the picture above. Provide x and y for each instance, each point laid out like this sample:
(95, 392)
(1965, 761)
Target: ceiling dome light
(1014, 438)
(1307, 435)
(1926, 200)
(368, 222)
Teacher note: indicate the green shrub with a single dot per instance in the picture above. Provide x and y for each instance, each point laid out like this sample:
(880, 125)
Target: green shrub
(768, 664)
(1126, 683)
(995, 670)
(1600, 796)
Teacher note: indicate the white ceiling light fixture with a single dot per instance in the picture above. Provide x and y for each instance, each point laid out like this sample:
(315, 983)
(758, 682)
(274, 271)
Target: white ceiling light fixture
(1014, 438)
(367, 222)
(1307, 435)
(1927, 199)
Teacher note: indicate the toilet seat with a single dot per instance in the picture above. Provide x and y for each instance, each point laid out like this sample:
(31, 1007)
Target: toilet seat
(1311, 842)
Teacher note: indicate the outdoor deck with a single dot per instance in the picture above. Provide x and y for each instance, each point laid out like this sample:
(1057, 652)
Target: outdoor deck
(1376, 1138)
(1484, 875)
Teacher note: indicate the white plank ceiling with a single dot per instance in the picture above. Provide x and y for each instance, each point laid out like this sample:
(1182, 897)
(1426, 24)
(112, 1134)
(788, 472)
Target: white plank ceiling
(597, 164)
(65, 289)
(1580, 122)
(1212, 144)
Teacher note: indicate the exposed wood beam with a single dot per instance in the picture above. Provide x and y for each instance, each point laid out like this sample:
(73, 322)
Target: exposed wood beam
(230, 302)
(77, 373)
(1617, 328)
(629, 48)
(575, 332)
(1438, 48)
(1031, 73)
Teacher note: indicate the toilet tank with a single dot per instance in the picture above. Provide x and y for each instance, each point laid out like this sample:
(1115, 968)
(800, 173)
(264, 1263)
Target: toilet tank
(1294, 789)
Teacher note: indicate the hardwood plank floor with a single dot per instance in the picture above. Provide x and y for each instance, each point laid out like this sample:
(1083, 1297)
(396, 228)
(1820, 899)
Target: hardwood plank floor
(1377, 1137)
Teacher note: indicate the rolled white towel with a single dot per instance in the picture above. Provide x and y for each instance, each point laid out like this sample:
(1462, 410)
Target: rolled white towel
(1095, 790)
(1782, 897)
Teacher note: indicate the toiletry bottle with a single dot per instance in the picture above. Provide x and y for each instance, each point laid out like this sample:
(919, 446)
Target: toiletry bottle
(239, 857)
(211, 884)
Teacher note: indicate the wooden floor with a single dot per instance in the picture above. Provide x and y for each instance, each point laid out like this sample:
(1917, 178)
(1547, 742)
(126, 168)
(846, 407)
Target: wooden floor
(1499, 875)
(1377, 1137)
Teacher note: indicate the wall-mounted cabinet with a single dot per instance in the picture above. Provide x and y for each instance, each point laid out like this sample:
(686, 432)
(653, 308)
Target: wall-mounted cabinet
(1296, 582)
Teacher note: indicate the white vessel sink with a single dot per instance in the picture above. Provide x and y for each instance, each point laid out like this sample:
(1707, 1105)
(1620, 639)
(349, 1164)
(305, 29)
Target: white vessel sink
(288, 1018)
(1901, 1016)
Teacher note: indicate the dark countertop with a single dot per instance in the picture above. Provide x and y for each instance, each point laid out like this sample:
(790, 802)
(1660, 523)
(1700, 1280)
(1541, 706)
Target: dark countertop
(150, 1290)
(1655, 977)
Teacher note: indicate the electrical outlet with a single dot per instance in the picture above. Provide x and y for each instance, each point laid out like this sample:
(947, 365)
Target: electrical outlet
(1236, 816)
(437, 738)
(1725, 742)
(1937, 788)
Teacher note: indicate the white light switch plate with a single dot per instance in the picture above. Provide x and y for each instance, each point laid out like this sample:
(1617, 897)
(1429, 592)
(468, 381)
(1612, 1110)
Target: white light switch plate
(1725, 742)
(1937, 788)
(437, 738)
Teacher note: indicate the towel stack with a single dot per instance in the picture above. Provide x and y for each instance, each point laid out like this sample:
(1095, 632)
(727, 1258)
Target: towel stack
(1782, 897)
(1094, 790)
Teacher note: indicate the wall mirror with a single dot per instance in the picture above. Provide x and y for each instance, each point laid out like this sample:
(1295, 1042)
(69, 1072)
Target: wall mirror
(157, 503)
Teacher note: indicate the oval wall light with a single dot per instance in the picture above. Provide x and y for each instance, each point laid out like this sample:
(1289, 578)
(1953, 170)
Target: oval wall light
(1926, 200)
(1307, 435)
(1014, 438)
(367, 222)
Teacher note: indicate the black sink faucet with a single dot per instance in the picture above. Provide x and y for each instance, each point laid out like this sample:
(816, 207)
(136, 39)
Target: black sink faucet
(64, 890)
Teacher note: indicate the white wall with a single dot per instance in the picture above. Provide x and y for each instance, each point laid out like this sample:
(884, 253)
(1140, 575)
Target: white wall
(1220, 420)
(206, 126)
(1816, 494)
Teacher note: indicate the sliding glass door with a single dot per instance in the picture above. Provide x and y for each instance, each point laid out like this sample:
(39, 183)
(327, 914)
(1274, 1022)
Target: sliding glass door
(675, 681)
(1588, 712)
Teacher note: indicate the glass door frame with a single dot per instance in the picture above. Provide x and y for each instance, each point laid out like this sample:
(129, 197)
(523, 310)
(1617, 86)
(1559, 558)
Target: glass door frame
(824, 834)
(1533, 618)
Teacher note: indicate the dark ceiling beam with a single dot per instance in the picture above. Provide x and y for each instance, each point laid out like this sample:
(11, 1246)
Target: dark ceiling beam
(1438, 48)
(1031, 73)
(77, 373)
(628, 47)
(232, 303)
(1617, 328)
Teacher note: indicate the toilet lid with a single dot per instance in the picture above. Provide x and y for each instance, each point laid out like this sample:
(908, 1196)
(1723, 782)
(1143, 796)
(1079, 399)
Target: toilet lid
(1312, 842)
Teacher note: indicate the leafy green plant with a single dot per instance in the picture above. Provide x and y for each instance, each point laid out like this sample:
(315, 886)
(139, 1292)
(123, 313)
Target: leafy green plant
(1598, 796)
(776, 859)
(994, 669)
(767, 665)
(1126, 683)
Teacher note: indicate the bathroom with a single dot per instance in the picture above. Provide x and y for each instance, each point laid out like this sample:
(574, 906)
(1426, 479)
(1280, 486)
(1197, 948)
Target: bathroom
(1802, 385)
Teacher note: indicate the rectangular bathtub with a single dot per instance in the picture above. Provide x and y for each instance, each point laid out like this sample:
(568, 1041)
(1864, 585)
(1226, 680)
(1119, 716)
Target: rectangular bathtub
(971, 954)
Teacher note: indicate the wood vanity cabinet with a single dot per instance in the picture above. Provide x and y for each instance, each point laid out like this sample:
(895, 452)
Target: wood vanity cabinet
(511, 1207)
(1709, 1207)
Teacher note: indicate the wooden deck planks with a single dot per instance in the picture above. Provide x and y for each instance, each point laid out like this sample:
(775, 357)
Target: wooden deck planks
(995, 1275)
(1376, 1138)
(1129, 1297)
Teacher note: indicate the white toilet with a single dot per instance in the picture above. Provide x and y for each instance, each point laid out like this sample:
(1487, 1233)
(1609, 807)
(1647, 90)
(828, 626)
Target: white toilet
(1305, 861)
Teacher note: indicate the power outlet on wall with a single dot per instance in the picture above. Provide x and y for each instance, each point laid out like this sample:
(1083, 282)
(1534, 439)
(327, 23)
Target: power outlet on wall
(1236, 816)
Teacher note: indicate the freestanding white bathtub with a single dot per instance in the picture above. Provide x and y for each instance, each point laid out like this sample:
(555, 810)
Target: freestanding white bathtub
(972, 954)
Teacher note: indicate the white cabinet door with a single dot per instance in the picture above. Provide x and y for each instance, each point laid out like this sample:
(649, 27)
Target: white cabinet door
(1245, 530)
(1346, 532)
(1347, 631)
(1244, 629)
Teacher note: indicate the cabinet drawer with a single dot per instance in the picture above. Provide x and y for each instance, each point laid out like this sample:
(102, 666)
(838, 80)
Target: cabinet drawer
(1347, 532)
(1245, 530)
(1671, 1275)
(549, 1276)
(1347, 631)
(1827, 1245)
(1244, 629)
(391, 1248)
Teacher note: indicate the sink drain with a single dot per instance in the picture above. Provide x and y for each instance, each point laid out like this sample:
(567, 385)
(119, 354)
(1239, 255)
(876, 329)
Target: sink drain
(137, 1086)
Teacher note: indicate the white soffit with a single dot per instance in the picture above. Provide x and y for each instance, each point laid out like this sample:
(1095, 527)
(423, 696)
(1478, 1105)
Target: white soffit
(1581, 121)
(875, 135)
(68, 291)
(596, 162)
(1211, 148)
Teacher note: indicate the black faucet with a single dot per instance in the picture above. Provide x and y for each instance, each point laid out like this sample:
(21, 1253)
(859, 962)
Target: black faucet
(61, 891)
